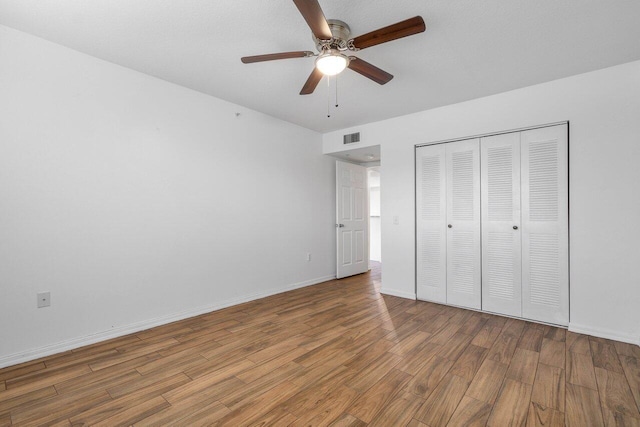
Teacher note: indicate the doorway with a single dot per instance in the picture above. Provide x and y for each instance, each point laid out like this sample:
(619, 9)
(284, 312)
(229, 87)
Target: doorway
(351, 245)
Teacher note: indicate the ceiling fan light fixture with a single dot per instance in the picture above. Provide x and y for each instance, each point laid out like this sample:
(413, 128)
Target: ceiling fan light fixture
(331, 62)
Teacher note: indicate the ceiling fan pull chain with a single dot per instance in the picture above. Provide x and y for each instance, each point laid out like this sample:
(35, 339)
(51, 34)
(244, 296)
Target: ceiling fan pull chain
(336, 91)
(328, 96)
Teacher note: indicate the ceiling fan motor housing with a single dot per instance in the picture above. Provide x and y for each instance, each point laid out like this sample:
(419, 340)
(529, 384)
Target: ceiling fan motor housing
(340, 31)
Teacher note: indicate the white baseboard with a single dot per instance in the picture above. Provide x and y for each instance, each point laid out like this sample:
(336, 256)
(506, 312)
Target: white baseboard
(604, 333)
(26, 356)
(397, 293)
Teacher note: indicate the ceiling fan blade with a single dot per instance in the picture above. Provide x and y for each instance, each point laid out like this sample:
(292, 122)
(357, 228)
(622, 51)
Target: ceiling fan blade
(312, 13)
(312, 82)
(398, 30)
(372, 72)
(273, 56)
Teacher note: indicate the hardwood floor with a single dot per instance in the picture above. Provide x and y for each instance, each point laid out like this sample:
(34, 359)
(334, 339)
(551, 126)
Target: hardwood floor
(337, 353)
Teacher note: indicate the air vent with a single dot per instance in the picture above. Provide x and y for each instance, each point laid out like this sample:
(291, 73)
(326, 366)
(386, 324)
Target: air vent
(351, 138)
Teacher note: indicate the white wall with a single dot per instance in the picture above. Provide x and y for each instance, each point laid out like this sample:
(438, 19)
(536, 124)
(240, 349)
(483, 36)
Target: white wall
(136, 202)
(603, 108)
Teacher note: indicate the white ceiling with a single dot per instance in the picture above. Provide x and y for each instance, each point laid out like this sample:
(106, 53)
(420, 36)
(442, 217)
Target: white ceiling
(470, 49)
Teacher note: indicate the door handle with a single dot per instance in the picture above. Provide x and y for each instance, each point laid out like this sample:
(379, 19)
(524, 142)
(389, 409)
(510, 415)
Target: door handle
(339, 225)
(450, 226)
(515, 227)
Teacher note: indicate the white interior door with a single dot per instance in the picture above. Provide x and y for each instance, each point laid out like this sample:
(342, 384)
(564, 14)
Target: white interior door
(352, 215)
(545, 225)
(431, 223)
(463, 223)
(501, 226)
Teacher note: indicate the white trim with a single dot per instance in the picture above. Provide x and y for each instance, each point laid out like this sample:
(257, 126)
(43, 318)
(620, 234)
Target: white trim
(396, 293)
(36, 353)
(604, 333)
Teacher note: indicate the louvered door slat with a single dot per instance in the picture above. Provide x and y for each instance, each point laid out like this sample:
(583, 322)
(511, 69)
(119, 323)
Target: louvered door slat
(463, 214)
(501, 254)
(545, 276)
(431, 223)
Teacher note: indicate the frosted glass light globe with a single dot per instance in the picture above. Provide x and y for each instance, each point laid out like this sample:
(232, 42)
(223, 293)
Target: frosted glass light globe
(331, 63)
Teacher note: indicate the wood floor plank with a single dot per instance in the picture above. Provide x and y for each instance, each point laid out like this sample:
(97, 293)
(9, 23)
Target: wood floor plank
(580, 370)
(578, 343)
(455, 346)
(631, 366)
(369, 403)
(334, 404)
(348, 420)
(469, 362)
(150, 392)
(41, 379)
(553, 352)
(235, 398)
(605, 356)
(278, 416)
(26, 399)
(549, 387)
(177, 412)
(486, 336)
(251, 409)
(135, 413)
(374, 372)
(531, 339)
(204, 417)
(470, 413)
(503, 348)
(442, 403)
(429, 376)
(625, 349)
(413, 363)
(556, 334)
(539, 416)
(57, 408)
(615, 394)
(512, 404)
(398, 411)
(487, 382)
(409, 343)
(21, 370)
(5, 420)
(523, 366)
(582, 407)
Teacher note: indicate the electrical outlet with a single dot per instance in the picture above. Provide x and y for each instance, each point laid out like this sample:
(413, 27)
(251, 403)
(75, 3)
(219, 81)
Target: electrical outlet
(308, 256)
(44, 299)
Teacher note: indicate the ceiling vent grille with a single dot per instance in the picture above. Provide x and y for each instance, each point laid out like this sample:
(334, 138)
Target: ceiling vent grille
(351, 138)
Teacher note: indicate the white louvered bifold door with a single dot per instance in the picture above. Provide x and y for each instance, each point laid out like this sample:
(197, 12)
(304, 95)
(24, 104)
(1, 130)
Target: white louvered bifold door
(545, 238)
(431, 212)
(501, 250)
(463, 223)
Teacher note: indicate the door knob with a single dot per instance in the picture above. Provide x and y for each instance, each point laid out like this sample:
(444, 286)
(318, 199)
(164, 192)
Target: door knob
(450, 226)
(515, 227)
(340, 225)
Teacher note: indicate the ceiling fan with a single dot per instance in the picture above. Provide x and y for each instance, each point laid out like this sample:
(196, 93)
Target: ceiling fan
(332, 38)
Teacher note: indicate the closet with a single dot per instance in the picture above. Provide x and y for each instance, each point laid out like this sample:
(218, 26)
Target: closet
(492, 224)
